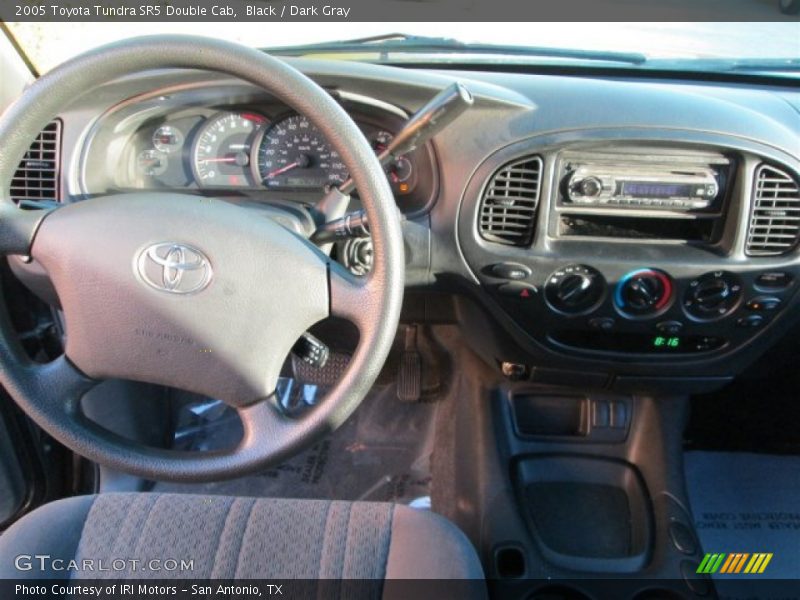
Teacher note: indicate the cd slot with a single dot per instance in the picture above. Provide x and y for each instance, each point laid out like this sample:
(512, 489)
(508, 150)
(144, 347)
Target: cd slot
(664, 228)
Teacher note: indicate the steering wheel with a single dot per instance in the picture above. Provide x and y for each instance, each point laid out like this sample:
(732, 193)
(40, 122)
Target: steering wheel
(190, 292)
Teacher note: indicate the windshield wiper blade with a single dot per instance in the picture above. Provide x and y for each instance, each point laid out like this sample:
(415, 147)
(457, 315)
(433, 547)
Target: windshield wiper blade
(410, 44)
(727, 65)
(761, 64)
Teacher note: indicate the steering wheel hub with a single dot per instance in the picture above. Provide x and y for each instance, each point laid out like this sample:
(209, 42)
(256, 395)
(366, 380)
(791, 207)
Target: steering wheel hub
(143, 309)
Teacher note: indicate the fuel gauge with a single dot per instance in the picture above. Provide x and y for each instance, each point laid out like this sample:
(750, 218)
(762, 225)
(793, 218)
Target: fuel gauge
(167, 139)
(400, 169)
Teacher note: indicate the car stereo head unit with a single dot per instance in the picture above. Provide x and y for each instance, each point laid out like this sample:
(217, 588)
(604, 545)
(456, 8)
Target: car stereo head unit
(642, 186)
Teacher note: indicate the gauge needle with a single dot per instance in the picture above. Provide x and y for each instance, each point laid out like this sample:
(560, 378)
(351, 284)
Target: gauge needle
(283, 169)
(220, 160)
(302, 161)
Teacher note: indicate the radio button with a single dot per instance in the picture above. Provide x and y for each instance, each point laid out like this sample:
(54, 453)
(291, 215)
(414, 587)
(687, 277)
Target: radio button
(602, 323)
(670, 327)
(763, 304)
(776, 280)
(751, 321)
(514, 271)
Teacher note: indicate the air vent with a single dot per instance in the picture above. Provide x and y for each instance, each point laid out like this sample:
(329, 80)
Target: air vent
(38, 173)
(775, 220)
(508, 206)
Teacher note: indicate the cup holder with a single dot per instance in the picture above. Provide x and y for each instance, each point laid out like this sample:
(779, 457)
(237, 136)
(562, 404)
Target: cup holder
(509, 562)
(586, 513)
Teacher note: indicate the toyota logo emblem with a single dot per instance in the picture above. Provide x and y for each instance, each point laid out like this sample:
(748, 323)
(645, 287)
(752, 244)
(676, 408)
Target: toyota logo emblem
(174, 268)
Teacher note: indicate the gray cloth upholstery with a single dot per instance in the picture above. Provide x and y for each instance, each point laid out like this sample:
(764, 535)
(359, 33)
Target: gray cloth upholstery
(53, 530)
(244, 538)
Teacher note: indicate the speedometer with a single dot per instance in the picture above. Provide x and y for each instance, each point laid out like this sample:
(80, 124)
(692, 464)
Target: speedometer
(293, 153)
(221, 153)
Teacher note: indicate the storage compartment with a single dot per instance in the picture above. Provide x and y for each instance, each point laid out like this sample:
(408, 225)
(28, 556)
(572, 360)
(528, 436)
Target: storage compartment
(550, 414)
(598, 417)
(586, 513)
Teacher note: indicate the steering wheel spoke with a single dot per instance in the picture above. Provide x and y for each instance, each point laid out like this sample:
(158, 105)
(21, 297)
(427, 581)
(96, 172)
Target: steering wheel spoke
(352, 297)
(53, 395)
(18, 228)
(63, 382)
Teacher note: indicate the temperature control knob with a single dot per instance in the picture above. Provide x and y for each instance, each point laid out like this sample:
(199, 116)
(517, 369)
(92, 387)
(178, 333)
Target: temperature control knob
(712, 296)
(576, 289)
(644, 292)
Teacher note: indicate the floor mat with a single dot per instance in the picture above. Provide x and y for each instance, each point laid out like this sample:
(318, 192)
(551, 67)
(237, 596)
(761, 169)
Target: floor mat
(381, 453)
(748, 503)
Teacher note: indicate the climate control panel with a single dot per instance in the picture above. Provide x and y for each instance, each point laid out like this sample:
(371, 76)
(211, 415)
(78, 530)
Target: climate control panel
(645, 311)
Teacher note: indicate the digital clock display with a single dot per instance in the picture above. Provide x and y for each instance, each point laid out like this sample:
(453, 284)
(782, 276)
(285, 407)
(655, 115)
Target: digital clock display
(645, 189)
(666, 342)
(638, 343)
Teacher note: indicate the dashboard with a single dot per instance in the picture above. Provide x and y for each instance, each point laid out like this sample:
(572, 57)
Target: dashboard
(194, 141)
(597, 229)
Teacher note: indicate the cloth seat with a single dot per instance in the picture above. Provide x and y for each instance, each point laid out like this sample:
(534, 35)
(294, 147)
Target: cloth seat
(240, 538)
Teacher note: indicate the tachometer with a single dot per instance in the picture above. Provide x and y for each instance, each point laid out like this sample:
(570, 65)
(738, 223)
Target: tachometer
(222, 148)
(293, 153)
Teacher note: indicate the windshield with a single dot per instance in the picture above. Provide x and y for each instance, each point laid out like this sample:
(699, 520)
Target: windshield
(684, 46)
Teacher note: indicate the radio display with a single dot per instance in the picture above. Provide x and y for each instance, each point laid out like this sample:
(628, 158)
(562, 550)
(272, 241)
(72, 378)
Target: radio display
(645, 189)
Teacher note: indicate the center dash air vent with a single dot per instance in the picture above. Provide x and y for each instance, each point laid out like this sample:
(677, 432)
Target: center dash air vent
(775, 219)
(508, 205)
(38, 173)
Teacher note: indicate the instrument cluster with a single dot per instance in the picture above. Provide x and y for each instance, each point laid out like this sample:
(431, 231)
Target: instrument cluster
(244, 150)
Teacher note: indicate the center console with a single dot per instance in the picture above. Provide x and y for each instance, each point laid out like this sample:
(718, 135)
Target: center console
(603, 503)
(635, 258)
(571, 493)
(625, 270)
